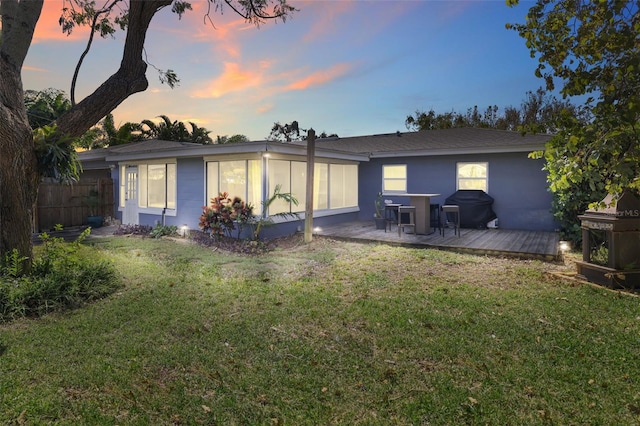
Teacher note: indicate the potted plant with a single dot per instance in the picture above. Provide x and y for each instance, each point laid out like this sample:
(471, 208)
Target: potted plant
(379, 212)
(93, 201)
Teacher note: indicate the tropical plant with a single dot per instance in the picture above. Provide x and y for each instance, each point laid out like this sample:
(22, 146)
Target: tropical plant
(224, 215)
(267, 219)
(174, 131)
(379, 206)
(56, 157)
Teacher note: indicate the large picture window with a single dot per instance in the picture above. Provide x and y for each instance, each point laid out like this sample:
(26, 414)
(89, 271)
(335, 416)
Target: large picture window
(238, 178)
(335, 185)
(394, 178)
(473, 176)
(157, 185)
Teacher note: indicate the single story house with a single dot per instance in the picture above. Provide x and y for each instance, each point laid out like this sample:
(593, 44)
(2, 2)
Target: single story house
(169, 182)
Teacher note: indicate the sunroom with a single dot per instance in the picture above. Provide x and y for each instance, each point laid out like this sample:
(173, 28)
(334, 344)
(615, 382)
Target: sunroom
(170, 185)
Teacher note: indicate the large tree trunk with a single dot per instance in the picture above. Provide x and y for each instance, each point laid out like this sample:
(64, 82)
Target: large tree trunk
(19, 176)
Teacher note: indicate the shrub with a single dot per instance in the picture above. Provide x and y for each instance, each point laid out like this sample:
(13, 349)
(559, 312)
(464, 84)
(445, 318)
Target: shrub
(224, 215)
(65, 275)
(162, 230)
(133, 230)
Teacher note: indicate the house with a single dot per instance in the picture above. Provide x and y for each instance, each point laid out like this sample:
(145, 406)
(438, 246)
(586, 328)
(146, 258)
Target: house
(164, 182)
(444, 161)
(169, 182)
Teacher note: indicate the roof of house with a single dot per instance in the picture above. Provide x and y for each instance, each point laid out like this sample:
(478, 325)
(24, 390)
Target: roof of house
(437, 142)
(356, 148)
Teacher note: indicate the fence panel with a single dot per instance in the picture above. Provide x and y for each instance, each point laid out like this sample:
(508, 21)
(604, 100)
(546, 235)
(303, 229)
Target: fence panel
(67, 204)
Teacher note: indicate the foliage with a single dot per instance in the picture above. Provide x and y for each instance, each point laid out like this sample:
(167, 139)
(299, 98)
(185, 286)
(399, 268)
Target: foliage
(379, 206)
(64, 275)
(267, 218)
(175, 131)
(537, 113)
(231, 139)
(591, 49)
(127, 229)
(128, 132)
(224, 215)
(292, 132)
(162, 230)
(45, 106)
(56, 156)
(12, 266)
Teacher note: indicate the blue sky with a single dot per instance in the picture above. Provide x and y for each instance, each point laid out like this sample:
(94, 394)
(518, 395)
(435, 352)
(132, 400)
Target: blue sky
(346, 67)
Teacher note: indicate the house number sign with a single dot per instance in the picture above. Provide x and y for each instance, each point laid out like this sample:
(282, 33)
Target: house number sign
(597, 225)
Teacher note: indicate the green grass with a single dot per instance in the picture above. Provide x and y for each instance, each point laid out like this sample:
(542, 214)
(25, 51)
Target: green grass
(331, 333)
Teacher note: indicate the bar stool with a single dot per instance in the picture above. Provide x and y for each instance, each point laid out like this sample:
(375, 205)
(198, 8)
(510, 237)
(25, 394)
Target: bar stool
(434, 218)
(451, 218)
(390, 215)
(410, 212)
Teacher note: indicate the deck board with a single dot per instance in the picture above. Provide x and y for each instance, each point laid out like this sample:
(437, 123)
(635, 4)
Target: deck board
(504, 242)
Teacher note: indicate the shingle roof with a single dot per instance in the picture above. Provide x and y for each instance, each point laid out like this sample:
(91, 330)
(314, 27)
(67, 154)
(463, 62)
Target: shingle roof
(437, 142)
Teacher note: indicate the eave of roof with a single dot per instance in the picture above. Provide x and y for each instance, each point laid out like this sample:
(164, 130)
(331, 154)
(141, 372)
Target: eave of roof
(438, 142)
(155, 149)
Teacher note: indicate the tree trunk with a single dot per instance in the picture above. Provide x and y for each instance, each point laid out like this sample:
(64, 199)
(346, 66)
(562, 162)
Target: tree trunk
(19, 176)
(19, 180)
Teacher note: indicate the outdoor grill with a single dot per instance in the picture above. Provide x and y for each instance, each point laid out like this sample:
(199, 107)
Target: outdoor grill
(611, 243)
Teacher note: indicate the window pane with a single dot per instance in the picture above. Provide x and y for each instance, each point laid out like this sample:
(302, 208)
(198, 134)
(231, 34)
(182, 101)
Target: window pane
(472, 184)
(279, 174)
(122, 185)
(254, 190)
(321, 186)
(171, 184)
(351, 185)
(233, 178)
(212, 181)
(473, 176)
(299, 184)
(156, 175)
(336, 186)
(142, 185)
(471, 170)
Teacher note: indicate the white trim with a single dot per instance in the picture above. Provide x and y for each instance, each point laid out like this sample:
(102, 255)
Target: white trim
(319, 213)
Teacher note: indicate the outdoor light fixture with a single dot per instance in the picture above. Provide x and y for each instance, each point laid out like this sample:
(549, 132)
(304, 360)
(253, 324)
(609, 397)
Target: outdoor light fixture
(184, 230)
(565, 246)
(317, 229)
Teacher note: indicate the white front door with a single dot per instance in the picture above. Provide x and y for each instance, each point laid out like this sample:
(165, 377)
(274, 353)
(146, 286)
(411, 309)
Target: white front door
(130, 214)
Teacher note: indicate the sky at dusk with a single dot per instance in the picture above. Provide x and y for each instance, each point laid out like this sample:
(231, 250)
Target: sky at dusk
(346, 67)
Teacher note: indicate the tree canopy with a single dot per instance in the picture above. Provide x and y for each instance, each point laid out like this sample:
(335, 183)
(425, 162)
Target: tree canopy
(589, 49)
(537, 112)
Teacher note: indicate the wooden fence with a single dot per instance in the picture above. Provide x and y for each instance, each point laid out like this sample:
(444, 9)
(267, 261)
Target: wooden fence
(67, 204)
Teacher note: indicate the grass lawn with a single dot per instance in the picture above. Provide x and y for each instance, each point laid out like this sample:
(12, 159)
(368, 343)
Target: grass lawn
(330, 333)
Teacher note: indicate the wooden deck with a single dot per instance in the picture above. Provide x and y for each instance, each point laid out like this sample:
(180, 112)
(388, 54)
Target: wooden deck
(497, 242)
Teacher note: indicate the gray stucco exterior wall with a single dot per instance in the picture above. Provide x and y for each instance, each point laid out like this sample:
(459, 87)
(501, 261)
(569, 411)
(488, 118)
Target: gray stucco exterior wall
(517, 183)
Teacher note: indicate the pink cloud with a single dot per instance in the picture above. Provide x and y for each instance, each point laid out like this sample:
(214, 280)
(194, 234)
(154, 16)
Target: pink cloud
(320, 77)
(233, 79)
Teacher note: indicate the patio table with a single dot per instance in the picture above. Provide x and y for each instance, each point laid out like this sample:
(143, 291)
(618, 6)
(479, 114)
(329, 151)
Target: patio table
(422, 202)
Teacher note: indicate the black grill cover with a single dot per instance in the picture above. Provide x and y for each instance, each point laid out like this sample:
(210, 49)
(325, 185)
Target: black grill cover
(475, 207)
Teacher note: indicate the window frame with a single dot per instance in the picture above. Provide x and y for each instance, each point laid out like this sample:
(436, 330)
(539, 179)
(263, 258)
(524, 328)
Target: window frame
(388, 179)
(484, 179)
(170, 186)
